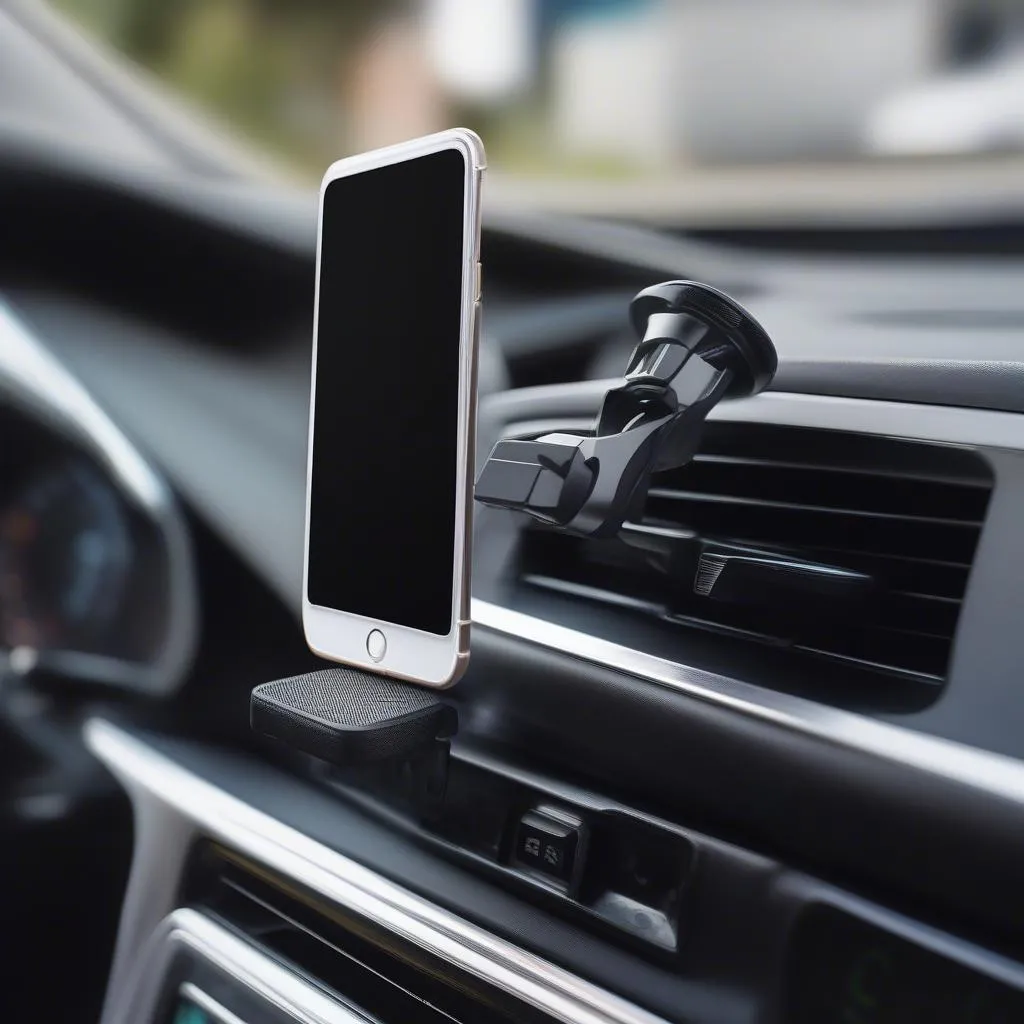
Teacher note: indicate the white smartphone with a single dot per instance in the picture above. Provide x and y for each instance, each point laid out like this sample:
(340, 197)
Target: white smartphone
(392, 412)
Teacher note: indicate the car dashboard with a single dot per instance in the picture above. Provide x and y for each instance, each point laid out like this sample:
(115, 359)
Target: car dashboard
(661, 805)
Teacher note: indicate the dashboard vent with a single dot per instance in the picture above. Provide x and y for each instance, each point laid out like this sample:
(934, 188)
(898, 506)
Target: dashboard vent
(357, 959)
(905, 514)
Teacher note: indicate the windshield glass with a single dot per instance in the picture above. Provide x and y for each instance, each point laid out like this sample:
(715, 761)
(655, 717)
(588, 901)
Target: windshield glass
(697, 109)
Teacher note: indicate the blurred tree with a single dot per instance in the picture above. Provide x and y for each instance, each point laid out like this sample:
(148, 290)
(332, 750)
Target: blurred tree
(269, 67)
(147, 29)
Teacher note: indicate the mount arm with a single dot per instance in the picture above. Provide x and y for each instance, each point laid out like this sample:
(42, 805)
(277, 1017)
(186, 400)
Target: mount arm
(697, 346)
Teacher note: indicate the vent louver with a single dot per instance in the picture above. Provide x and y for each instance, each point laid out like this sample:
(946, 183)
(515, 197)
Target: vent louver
(908, 514)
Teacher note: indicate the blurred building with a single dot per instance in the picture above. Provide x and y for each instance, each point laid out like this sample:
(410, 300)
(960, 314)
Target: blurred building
(593, 88)
(725, 80)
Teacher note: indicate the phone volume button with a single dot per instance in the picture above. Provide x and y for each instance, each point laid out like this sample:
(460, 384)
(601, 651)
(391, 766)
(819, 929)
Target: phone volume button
(477, 281)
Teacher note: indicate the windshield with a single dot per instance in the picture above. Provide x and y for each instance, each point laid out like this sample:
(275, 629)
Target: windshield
(687, 109)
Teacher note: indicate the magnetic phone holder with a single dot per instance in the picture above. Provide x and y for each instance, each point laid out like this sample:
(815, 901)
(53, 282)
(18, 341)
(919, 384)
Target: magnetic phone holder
(350, 718)
(697, 346)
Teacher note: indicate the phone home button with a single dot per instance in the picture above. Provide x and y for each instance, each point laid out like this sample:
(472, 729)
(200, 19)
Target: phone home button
(376, 645)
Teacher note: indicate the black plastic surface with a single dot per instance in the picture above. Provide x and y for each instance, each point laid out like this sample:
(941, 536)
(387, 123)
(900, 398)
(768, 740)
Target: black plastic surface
(843, 969)
(65, 855)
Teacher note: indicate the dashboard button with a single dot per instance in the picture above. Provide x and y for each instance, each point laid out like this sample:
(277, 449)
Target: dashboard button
(548, 843)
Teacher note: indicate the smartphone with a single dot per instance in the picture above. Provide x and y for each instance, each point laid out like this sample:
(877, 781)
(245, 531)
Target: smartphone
(392, 414)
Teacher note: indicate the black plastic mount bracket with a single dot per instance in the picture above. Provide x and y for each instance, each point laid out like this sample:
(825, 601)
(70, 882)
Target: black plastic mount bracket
(697, 346)
(351, 718)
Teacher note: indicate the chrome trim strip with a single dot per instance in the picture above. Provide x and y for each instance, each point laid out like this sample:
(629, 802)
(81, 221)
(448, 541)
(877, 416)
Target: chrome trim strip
(34, 381)
(991, 773)
(172, 806)
(188, 930)
(942, 424)
(518, 411)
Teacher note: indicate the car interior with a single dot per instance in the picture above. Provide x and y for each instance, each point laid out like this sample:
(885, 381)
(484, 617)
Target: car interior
(781, 807)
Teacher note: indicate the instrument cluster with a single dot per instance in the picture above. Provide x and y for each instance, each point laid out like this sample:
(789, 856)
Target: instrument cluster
(96, 574)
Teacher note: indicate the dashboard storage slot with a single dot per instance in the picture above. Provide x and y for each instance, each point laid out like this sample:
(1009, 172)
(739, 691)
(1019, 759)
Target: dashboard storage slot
(638, 877)
(624, 875)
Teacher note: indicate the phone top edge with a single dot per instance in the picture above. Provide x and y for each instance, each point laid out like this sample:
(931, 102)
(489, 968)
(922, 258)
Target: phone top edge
(465, 140)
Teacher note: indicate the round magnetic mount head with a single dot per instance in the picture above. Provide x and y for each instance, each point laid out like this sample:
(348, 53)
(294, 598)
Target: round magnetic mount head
(756, 361)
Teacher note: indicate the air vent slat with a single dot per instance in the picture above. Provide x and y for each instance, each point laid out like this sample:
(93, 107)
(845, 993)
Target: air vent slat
(910, 561)
(819, 489)
(951, 601)
(917, 675)
(767, 526)
(869, 471)
(907, 513)
(902, 572)
(592, 593)
(731, 499)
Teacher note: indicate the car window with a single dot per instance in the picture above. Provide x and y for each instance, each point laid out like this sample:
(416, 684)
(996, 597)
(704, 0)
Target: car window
(647, 107)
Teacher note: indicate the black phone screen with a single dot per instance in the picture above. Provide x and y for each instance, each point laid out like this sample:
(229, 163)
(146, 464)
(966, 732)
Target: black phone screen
(386, 403)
